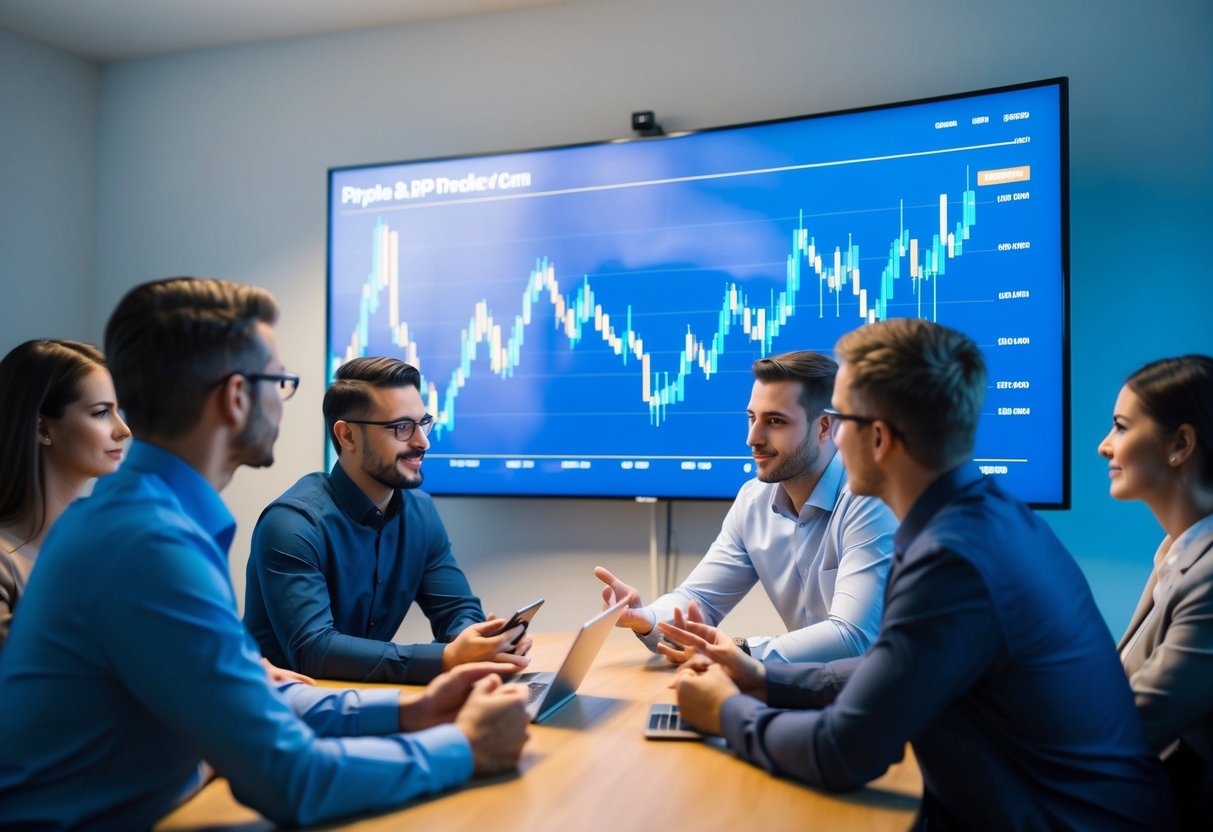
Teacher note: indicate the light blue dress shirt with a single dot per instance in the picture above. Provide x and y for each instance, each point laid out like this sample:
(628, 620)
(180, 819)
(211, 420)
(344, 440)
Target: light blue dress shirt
(128, 667)
(824, 569)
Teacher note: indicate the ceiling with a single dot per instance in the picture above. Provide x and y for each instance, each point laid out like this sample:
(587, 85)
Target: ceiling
(107, 30)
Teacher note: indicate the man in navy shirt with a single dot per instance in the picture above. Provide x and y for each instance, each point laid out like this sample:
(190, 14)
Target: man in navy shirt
(991, 659)
(338, 559)
(128, 665)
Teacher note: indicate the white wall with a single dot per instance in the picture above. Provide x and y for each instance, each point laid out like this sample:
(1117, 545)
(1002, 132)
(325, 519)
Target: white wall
(48, 134)
(213, 163)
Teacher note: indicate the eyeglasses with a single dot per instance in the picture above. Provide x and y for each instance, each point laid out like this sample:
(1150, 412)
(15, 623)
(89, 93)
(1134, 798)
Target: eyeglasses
(403, 428)
(837, 419)
(287, 383)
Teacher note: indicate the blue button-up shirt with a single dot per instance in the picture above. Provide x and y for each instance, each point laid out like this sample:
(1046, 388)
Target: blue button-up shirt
(128, 666)
(993, 661)
(330, 579)
(823, 568)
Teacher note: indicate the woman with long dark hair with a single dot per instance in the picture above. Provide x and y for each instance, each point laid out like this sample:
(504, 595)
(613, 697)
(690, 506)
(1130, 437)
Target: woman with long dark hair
(59, 427)
(1160, 451)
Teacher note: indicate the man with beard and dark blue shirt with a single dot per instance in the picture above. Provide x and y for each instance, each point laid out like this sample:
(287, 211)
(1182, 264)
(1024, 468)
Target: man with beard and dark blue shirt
(338, 559)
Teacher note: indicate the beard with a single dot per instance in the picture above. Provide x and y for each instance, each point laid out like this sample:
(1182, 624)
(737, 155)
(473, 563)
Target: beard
(256, 441)
(797, 462)
(387, 472)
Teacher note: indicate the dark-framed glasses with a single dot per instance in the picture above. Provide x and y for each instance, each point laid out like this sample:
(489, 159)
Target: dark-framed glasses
(285, 383)
(837, 418)
(403, 428)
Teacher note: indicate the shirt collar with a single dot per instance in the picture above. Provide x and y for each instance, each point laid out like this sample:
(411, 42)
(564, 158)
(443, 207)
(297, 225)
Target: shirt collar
(356, 505)
(197, 497)
(824, 495)
(947, 486)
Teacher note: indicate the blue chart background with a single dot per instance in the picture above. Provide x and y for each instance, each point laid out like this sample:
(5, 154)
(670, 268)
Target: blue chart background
(671, 250)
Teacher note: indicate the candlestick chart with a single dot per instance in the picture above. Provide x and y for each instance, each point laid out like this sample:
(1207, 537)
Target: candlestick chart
(584, 318)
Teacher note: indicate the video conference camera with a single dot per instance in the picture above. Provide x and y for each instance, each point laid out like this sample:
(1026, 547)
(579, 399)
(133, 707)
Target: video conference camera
(645, 123)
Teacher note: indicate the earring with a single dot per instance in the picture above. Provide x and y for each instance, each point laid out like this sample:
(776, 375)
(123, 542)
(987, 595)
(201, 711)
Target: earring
(1173, 458)
(46, 440)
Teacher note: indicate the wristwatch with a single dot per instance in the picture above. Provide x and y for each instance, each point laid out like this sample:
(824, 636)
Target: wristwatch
(743, 644)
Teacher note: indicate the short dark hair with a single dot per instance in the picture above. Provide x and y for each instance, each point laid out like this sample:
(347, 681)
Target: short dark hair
(37, 377)
(814, 371)
(926, 380)
(1179, 391)
(169, 342)
(349, 395)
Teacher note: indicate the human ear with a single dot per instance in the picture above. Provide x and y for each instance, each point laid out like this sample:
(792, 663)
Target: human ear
(823, 428)
(234, 402)
(882, 440)
(1181, 445)
(43, 430)
(344, 433)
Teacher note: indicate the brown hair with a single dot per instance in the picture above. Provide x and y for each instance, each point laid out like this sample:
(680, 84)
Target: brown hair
(349, 394)
(169, 342)
(814, 371)
(40, 377)
(924, 379)
(1179, 391)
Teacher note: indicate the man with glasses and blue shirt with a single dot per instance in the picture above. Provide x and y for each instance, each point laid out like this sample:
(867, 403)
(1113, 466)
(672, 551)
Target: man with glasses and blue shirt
(128, 665)
(338, 559)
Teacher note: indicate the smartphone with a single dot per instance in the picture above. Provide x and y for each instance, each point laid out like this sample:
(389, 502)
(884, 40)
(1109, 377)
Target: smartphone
(523, 616)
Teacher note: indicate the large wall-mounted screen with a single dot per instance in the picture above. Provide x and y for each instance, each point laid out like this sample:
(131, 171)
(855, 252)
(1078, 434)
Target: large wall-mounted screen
(585, 317)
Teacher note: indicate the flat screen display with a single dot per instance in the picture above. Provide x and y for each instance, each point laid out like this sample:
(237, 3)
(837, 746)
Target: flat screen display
(585, 317)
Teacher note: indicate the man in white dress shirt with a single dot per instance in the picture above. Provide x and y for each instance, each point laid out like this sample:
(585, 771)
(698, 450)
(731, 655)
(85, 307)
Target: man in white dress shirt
(820, 551)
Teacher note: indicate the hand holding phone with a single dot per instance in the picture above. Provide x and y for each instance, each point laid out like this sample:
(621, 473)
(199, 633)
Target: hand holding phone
(523, 616)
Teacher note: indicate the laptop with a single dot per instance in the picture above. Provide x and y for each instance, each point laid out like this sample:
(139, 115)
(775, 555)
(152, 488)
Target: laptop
(666, 723)
(551, 690)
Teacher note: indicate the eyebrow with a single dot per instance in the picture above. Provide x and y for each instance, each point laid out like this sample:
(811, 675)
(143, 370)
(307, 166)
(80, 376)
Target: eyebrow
(102, 404)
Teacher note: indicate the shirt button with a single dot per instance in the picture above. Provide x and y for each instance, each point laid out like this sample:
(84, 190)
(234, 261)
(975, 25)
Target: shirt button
(372, 623)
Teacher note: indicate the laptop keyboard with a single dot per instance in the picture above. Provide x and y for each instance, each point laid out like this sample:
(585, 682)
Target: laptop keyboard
(669, 721)
(535, 690)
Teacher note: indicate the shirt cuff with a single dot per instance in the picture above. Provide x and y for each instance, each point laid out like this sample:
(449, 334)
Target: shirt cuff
(654, 636)
(449, 753)
(349, 712)
(789, 686)
(760, 648)
(380, 712)
(424, 663)
(738, 711)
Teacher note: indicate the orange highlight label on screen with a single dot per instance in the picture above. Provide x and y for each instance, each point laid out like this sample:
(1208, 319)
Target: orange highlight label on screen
(1003, 176)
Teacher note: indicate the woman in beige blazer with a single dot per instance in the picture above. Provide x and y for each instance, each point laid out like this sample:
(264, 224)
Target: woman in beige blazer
(1160, 451)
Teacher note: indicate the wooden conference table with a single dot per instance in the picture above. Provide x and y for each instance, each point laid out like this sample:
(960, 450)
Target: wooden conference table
(589, 767)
